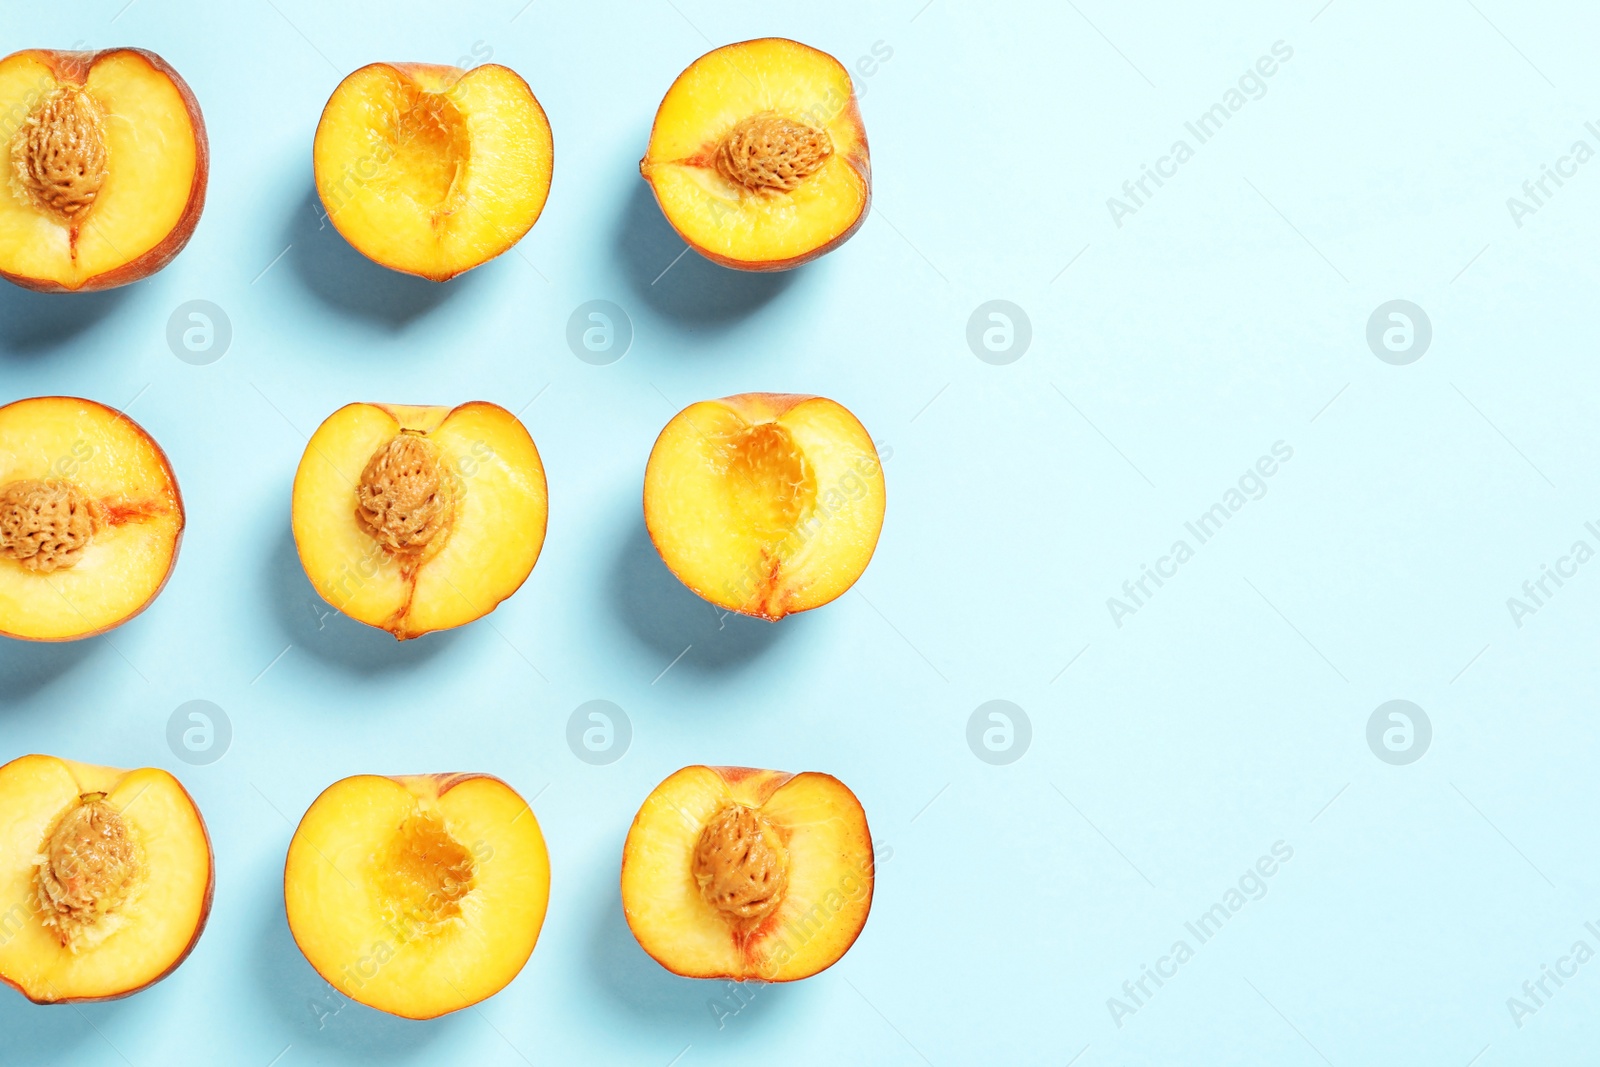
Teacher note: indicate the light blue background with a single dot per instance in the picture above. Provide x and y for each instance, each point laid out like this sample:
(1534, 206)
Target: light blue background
(1229, 713)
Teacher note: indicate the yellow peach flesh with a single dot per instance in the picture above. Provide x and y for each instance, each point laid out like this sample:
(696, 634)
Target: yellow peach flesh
(432, 170)
(156, 164)
(147, 934)
(824, 901)
(420, 894)
(491, 540)
(111, 460)
(764, 503)
(728, 221)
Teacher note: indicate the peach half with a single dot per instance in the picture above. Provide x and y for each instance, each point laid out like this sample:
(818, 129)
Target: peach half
(417, 895)
(765, 503)
(105, 878)
(415, 519)
(106, 158)
(90, 518)
(729, 872)
(758, 157)
(432, 170)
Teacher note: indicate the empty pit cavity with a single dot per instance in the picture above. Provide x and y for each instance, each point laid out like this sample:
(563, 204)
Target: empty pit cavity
(428, 871)
(428, 139)
(772, 486)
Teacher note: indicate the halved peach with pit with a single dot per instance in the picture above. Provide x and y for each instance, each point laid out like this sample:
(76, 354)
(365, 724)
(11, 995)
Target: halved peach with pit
(414, 519)
(758, 156)
(105, 878)
(420, 894)
(432, 170)
(730, 872)
(765, 503)
(90, 518)
(107, 159)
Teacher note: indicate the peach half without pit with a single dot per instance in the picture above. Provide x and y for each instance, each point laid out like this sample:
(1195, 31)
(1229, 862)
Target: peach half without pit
(765, 503)
(106, 161)
(417, 895)
(730, 872)
(758, 157)
(415, 519)
(433, 170)
(105, 878)
(90, 518)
